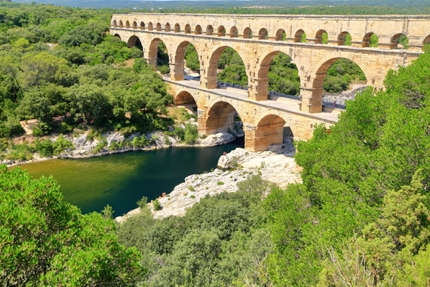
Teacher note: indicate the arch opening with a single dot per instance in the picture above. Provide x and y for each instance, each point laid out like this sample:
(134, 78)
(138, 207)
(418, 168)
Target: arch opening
(121, 25)
(300, 36)
(263, 34)
(337, 76)
(127, 24)
(158, 27)
(344, 39)
(370, 40)
(142, 26)
(269, 131)
(232, 72)
(198, 30)
(426, 42)
(399, 41)
(150, 26)
(281, 35)
(209, 30)
(234, 33)
(177, 28)
(134, 25)
(278, 77)
(158, 56)
(187, 29)
(134, 41)
(222, 117)
(221, 31)
(247, 33)
(185, 100)
(114, 23)
(187, 64)
(167, 27)
(321, 37)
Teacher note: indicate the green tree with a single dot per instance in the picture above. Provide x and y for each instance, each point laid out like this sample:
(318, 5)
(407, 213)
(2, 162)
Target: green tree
(46, 242)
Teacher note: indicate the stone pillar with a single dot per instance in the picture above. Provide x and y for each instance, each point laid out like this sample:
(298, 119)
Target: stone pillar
(208, 80)
(201, 122)
(258, 91)
(250, 131)
(311, 100)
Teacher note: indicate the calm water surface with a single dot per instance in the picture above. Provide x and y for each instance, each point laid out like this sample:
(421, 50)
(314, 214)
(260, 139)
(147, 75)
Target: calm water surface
(122, 179)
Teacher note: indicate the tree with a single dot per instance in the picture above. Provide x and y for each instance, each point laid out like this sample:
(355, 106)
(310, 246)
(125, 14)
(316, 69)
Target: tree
(45, 241)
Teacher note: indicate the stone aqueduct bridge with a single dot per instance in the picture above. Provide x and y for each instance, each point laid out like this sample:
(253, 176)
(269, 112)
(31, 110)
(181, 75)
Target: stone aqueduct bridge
(258, 39)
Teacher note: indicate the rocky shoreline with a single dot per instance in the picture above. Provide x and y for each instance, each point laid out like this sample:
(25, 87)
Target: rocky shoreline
(276, 165)
(83, 147)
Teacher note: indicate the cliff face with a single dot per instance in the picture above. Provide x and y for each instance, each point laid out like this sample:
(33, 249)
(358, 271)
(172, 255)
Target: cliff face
(277, 166)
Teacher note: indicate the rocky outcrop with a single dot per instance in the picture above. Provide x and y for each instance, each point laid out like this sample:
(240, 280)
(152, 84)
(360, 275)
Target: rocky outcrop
(276, 165)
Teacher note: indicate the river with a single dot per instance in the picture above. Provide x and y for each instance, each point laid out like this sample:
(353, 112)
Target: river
(121, 179)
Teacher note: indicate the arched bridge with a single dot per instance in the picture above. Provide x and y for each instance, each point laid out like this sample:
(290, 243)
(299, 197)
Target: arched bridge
(259, 38)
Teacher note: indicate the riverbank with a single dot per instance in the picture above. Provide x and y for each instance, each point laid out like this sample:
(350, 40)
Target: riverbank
(85, 146)
(276, 165)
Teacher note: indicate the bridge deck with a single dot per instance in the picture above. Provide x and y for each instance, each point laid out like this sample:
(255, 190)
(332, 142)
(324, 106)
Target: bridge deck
(284, 104)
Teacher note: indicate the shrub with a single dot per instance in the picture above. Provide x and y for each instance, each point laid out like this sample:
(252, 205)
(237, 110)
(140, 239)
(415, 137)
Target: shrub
(191, 134)
(220, 183)
(156, 205)
(142, 202)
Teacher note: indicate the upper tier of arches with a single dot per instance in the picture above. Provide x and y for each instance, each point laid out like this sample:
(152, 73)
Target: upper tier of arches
(366, 32)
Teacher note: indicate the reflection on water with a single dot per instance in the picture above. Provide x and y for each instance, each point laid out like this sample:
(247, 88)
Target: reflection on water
(120, 180)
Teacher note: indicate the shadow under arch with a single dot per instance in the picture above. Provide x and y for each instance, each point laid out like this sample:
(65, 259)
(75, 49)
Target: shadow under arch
(220, 117)
(114, 23)
(212, 70)
(186, 100)
(370, 40)
(118, 36)
(270, 130)
(426, 42)
(280, 35)
(344, 39)
(263, 74)
(399, 39)
(178, 73)
(134, 41)
(300, 36)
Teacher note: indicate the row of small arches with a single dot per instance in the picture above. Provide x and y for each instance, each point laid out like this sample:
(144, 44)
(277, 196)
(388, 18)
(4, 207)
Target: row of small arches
(321, 37)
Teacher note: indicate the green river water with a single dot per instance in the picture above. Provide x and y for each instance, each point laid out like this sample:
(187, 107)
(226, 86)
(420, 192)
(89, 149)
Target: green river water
(120, 180)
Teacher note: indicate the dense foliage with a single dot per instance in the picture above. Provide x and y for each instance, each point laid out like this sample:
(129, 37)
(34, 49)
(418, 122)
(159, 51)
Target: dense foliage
(47, 242)
(59, 65)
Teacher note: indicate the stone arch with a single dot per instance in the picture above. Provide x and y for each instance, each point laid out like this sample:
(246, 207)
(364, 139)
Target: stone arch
(179, 59)
(234, 32)
(187, 29)
(167, 27)
(213, 66)
(142, 26)
(263, 71)
(118, 36)
(184, 98)
(134, 25)
(209, 30)
(134, 41)
(177, 28)
(367, 40)
(280, 35)
(221, 31)
(426, 41)
(263, 34)
(344, 39)
(247, 33)
(127, 24)
(218, 118)
(396, 40)
(158, 27)
(198, 30)
(319, 37)
(299, 35)
(121, 24)
(319, 75)
(269, 130)
(114, 23)
(152, 53)
(150, 26)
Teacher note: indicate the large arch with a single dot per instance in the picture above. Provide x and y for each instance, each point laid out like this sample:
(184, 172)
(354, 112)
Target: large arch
(320, 74)
(184, 98)
(269, 130)
(178, 73)
(218, 118)
(152, 53)
(212, 70)
(263, 72)
(134, 41)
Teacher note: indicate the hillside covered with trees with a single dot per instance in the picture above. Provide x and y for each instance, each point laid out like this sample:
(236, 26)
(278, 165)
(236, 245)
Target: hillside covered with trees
(361, 217)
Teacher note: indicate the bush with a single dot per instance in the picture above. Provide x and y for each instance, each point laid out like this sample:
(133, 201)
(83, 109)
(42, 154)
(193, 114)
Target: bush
(191, 134)
(45, 147)
(156, 205)
(142, 202)
(61, 144)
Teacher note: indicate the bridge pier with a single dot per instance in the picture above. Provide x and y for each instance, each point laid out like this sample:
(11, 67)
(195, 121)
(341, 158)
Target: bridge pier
(311, 99)
(258, 91)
